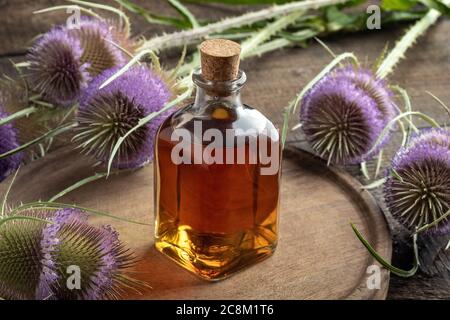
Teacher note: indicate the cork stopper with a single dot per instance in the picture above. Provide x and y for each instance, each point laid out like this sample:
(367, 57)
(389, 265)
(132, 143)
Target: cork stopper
(220, 59)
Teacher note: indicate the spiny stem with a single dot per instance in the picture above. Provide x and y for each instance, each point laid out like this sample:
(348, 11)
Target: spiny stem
(408, 40)
(180, 38)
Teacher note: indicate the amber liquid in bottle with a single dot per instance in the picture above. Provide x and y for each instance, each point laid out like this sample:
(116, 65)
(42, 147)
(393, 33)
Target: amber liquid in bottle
(216, 218)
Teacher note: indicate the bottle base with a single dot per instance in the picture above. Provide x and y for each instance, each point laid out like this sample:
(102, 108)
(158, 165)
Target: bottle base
(211, 269)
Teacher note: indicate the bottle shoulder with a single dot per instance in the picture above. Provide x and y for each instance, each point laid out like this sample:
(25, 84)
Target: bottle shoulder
(244, 119)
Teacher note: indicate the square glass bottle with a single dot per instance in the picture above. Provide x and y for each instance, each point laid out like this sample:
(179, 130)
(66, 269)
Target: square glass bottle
(217, 174)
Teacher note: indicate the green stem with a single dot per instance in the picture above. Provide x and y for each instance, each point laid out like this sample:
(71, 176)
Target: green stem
(391, 123)
(82, 182)
(48, 134)
(57, 206)
(19, 114)
(397, 271)
(435, 222)
(17, 217)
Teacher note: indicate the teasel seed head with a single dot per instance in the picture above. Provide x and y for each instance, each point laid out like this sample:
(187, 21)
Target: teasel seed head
(35, 258)
(344, 113)
(8, 141)
(56, 70)
(107, 114)
(20, 256)
(96, 251)
(418, 192)
(99, 44)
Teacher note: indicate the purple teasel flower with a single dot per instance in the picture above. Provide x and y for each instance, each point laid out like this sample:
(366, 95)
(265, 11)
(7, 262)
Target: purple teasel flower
(56, 70)
(96, 251)
(99, 41)
(107, 114)
(64, 60)
(8, 141)
(35, 257)
(344, 113)
(20, 256)
(418, 191)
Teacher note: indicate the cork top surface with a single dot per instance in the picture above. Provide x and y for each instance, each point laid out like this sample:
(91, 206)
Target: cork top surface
(220, 59)
(220, 48)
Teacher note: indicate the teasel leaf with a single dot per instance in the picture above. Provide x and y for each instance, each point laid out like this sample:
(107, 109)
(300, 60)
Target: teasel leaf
(184, 11)
(152, 17)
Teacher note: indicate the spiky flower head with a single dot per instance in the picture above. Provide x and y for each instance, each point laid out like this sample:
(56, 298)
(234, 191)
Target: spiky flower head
(8, 141)
(418, 191)
(37, 258)
(107, 114)
(344, 113)
(99, 44)
(66, 58)
(20, 257)
(56, 70)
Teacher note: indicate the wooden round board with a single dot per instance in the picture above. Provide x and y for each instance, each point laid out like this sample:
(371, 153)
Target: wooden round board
(318, 255)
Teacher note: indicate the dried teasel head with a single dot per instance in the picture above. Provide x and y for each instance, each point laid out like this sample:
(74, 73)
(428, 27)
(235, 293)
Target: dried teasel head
(418, 191)
(35, 258)
(96, 252)
(65, 59)
(107, 114)
(55, 67)
(101, 43)
(8, 141)
(344, 113)
(20, 256)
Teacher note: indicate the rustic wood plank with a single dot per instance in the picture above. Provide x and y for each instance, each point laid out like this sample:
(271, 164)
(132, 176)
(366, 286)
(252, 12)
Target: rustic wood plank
(275, 78)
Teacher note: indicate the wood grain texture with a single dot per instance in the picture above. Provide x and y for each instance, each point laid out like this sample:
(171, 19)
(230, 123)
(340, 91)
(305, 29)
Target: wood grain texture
(318, 256)
(274, 79)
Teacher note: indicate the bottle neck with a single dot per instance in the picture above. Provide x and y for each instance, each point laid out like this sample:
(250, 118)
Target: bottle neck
(206, 97)
(210, 92)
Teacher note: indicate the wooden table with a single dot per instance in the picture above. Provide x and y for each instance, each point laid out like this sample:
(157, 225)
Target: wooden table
(276, 77)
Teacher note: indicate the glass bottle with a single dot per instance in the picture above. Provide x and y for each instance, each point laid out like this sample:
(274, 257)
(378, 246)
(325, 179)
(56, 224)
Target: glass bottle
(217, 174)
